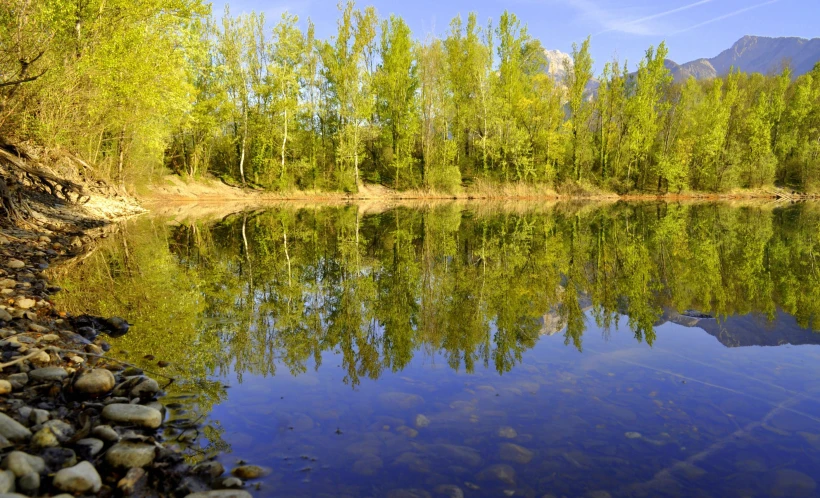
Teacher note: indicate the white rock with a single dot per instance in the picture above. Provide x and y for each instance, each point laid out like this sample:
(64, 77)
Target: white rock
(128, 454)
(6, 481)
(20, 463)
(142, 416)
(96, 382)
(81, 478)
(13, 430)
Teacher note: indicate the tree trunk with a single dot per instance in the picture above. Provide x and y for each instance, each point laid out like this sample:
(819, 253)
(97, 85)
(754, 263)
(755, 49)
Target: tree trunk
(7, 202)
(284, 143)
(242, 153)
(121, 156)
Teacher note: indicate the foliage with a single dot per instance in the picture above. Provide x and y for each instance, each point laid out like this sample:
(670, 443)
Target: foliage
(135, 88)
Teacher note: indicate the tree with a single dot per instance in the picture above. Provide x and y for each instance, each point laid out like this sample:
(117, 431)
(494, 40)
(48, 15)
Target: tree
(287, 57)
(396, 85)
(577, 76)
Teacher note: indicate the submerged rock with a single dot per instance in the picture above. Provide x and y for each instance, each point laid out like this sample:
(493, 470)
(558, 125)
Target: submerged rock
(507, 432)
(421, 421)
(500, 472)
(515, 453)
(250, 472)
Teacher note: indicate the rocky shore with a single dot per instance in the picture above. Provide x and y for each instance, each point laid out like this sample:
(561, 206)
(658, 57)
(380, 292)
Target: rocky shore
(74, 421)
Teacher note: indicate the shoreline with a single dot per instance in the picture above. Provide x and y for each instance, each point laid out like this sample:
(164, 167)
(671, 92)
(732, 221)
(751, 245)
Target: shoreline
(209, 191)
(72, 419)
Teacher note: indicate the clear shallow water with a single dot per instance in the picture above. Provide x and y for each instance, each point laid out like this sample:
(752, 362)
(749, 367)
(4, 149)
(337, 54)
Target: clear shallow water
(566, 350)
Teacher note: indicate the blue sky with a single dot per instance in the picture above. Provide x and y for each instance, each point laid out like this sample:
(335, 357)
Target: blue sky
(692, 28)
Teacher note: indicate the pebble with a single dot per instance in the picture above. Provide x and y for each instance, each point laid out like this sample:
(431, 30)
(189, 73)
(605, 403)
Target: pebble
(249, 472)
(25, 303)
(48, 374)
(96, 382)
(6, 481)
(62, 430)
(5, 387)
(5, 316)
(89, 447)
(633, 435)
(126, 454)
(13, 430)
(45, 438)
(37, 416)
(81, 478)
(18, 380)
(20, 463)
(146, 388)
(106, 433)
(29, 483)
(142, 416)
(15, 264)
(42, 330)
(129, 483)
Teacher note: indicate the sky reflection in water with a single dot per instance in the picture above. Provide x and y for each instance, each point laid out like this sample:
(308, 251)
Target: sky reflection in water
(559, 350)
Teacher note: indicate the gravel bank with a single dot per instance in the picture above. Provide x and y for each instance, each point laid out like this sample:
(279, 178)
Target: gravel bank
(73, 421)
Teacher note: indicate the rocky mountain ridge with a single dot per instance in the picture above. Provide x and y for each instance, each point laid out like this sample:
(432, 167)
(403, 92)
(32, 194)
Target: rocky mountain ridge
(754, 54)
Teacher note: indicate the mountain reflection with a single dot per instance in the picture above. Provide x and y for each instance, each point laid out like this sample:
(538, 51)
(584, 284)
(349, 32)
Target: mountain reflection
(272, 289)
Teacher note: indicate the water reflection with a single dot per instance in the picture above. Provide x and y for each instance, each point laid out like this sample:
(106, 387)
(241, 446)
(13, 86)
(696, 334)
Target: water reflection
(302, 310)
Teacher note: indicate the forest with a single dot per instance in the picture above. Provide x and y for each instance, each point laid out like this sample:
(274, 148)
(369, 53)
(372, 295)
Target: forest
(140, 89)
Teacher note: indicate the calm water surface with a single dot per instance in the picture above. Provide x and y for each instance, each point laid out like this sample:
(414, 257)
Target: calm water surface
(567, 350)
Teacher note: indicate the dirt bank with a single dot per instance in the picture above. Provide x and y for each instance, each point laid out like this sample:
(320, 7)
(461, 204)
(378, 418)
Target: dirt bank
(174, 193)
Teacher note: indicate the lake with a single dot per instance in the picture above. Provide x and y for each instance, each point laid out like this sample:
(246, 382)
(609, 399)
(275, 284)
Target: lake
(480, 349)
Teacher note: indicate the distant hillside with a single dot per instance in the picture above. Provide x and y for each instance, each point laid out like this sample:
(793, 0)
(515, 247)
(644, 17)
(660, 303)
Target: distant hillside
(754, 54)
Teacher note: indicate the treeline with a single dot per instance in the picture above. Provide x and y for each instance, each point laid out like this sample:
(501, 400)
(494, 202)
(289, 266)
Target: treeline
(139, 87)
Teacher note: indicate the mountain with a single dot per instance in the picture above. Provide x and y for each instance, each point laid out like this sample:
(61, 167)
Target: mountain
(555, 60)
(554, 66)
(754, 54)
